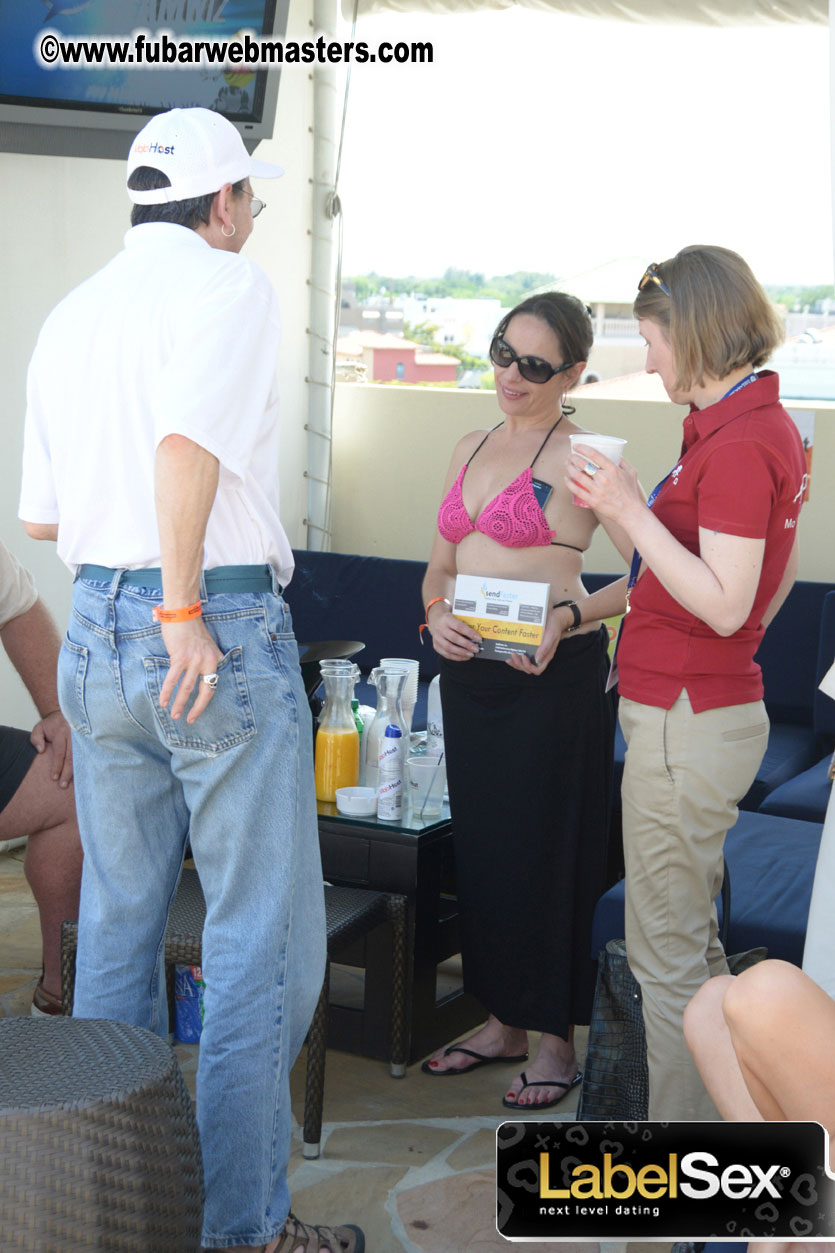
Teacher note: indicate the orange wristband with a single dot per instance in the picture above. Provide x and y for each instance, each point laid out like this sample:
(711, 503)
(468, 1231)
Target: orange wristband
(177, 615)
(434, 601)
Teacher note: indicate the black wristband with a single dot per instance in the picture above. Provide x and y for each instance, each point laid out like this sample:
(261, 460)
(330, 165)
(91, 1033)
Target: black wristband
(572, 605)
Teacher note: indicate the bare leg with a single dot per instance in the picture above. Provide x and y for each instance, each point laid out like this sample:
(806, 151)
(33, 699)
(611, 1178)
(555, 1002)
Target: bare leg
(791, 1246)
(46, 813)
(789, 1077)
(736, 1031)
(709, 1040)
(494, 1039)
(555, 1060)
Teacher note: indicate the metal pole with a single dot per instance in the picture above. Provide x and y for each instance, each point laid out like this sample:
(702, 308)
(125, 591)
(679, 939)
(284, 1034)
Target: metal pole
(322, 283)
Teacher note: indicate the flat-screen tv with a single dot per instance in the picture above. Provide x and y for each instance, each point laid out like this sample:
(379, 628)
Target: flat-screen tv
(95, 110)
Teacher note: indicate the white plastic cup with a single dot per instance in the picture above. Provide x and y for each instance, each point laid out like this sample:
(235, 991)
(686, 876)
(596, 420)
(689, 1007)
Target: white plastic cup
(426, 777)
(611, 446)
(408, 698)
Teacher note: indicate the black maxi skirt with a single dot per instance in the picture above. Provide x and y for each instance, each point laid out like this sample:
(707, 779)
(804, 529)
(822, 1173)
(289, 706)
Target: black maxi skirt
(529, 765)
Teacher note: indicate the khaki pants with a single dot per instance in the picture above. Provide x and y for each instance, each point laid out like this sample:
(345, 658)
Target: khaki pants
(683, 777)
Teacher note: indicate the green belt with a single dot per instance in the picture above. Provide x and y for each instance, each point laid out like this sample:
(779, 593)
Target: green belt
(221, 579)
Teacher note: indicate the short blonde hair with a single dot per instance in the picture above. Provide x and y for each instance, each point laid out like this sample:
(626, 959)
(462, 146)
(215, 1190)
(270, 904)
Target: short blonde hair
(716, 316)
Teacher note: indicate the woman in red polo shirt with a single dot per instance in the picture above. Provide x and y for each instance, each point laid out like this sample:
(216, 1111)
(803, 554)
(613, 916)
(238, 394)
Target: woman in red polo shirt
(715, 558)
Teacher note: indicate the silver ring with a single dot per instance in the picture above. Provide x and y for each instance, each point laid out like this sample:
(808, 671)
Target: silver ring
(591, 468)
(210, 680)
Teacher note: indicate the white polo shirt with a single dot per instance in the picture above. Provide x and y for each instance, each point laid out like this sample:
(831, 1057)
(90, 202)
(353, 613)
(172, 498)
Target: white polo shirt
(17, 588)
(171, 337)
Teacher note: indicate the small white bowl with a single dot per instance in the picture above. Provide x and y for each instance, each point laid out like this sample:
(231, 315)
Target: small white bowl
(359, 802)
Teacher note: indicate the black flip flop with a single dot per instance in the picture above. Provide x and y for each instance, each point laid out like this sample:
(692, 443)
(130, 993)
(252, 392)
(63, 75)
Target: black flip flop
(480, 1060)
(543, 1083)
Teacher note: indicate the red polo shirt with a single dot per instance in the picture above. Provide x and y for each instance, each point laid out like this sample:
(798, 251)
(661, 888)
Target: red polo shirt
(742, 471)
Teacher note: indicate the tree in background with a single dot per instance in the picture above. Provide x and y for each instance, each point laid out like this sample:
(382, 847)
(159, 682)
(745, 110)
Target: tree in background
(795, 299)
(461, 284)
(424, 333)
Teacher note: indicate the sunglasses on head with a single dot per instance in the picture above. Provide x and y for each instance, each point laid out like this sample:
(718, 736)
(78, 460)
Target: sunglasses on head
(651, 275)
(534, 369)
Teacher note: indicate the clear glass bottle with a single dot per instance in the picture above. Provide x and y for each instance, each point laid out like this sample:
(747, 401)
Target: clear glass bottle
(434, 720)
(389, 684)
(337, 740)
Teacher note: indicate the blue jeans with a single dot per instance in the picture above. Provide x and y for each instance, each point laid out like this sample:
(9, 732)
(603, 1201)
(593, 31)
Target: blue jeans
(239, 785)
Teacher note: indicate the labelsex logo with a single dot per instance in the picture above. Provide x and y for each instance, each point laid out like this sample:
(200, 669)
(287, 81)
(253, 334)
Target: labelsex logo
(695, 1176)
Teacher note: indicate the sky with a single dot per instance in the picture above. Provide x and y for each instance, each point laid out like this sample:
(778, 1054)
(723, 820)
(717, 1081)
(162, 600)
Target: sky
(545, 142)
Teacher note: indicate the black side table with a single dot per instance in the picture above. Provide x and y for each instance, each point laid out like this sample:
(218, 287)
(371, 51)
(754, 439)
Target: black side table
(414, 858)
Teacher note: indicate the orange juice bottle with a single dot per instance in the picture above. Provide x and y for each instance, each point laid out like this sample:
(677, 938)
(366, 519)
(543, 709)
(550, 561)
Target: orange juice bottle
(337, 760)
(337, 754)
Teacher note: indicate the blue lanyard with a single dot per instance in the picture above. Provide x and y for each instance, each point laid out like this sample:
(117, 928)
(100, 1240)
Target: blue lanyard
(751, 378)
(636, 556)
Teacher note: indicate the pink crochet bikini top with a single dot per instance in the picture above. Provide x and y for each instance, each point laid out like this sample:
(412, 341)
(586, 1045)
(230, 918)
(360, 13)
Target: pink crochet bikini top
(513, 518)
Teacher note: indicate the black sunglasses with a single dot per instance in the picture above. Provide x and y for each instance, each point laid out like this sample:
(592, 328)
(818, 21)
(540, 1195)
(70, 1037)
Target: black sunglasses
(534, 369)
(651, 275)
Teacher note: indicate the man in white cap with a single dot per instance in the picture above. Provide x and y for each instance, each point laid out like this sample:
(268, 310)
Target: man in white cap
(151, 455)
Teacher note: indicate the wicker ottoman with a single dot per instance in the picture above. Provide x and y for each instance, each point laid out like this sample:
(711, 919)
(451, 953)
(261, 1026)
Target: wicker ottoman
(98, 1141)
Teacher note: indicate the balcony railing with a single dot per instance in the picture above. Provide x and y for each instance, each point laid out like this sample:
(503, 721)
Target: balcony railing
(623, 328)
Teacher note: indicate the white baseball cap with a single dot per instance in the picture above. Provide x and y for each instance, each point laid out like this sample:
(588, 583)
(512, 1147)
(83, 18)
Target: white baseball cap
(199, 150)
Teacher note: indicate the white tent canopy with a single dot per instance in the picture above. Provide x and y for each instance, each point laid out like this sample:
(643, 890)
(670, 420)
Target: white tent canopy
(685, 12)
(720, 13)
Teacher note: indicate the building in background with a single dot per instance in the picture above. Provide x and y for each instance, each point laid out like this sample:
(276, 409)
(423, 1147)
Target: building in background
(391, 359)
(609, 291)
(469, 322)
(382, 313)
(806, 362)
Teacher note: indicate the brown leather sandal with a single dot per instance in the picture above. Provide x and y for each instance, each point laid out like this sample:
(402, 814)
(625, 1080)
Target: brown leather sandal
(298, 1235)
(45, 1004)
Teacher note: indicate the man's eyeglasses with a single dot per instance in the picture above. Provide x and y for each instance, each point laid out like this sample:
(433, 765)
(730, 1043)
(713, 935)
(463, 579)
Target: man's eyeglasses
(534, 369)
(651, 275)
(255, 205)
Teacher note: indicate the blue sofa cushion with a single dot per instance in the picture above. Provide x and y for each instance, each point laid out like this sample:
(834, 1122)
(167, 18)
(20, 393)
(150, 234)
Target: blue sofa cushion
(788, 654)
(791, 749)
(824, 706)
(772, 865)
(805, 796)
(373, 599)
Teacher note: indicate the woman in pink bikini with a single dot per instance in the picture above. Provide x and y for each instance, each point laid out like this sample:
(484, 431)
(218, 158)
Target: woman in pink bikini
(528, 741)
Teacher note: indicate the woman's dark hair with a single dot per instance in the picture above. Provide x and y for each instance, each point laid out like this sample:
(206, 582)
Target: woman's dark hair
(188, 213)
(568, 318)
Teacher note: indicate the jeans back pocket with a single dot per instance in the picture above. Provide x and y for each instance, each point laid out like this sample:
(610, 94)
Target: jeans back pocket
(72, 678)
(227, 720)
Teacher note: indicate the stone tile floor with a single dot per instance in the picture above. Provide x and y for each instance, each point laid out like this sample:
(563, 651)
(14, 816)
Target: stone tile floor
(410, 1160)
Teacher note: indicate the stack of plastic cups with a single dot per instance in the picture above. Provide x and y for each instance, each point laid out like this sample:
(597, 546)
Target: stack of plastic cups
(410, 688)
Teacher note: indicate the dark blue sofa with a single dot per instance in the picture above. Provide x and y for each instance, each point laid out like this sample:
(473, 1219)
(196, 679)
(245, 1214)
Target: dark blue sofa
(797, 650)
(378, 600)
(373, 599)
(805, 793)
